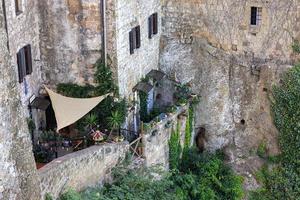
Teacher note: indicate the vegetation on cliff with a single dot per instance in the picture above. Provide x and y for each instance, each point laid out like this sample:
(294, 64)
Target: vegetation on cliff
(283, 180)
(199, 176)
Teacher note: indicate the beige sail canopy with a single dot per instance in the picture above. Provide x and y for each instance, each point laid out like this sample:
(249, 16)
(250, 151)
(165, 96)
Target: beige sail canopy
(69, 110)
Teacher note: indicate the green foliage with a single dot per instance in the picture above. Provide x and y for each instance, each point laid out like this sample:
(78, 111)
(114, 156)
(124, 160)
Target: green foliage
(175, 148)
(104, 80)
(115, 120)
(283, 181)
(91, 120)
(262, 150)
(201, 177)
(143, 106)
(296, 46)
(70, 195)
(31, 125)
(213, 179)
(76, 91)
(182, 93)
(48, 197)
(104, 85)
(189, 128)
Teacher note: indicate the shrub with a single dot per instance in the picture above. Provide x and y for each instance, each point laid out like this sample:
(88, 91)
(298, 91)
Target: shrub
(70, 195)
(296, 46)
(175, 148)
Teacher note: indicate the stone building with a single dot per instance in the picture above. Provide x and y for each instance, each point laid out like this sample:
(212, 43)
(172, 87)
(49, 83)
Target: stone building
(231, 52)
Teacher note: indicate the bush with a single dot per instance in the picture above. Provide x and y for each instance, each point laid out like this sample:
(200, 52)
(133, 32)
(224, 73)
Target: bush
(70, 195)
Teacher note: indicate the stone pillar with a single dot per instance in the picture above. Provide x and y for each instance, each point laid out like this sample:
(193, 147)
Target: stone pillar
(18, 178)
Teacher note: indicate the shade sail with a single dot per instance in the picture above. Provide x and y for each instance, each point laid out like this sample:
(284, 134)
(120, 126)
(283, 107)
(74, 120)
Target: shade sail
(69, 110)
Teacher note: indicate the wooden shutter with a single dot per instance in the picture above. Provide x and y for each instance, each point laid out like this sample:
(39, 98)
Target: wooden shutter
(137, 37)
(150, 27)
(28, 59)
(131, 42)
(20, 72)
(23, 61)
(155, 23)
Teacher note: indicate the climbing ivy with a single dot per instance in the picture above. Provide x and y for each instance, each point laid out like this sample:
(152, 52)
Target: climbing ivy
(189, 128)
(143, 106)
(283, 181)
(296, 46)
(175, 148)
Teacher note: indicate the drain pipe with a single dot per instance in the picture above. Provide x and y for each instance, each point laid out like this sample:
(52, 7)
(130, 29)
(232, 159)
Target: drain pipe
(103, 20)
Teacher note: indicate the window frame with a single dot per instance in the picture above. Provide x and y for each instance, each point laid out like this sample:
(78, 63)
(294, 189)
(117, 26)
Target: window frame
(255, 15)
(24, 62)
(18, 7)
(134, 39)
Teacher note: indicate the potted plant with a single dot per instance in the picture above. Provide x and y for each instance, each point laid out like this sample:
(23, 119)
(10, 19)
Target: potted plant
(91, 121)
(114, 121)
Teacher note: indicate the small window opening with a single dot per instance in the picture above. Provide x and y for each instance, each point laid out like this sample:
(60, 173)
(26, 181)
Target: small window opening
(24, 61)
(158, 96)
(134, 39)
(265, 89)
(152, 25)
(18, 6)
(243, 122)
(256, 16)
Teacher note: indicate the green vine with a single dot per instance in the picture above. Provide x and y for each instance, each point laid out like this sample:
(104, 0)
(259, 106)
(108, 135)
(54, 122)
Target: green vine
(296, 46)
(283, 181)
(175, 148)
(143, 106)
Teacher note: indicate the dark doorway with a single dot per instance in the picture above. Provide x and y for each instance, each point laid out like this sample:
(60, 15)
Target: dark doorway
(50, 117)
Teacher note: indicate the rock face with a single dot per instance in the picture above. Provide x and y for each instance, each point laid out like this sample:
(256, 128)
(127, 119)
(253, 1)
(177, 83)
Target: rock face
(70, 40)
(18, 179)
(233, 66)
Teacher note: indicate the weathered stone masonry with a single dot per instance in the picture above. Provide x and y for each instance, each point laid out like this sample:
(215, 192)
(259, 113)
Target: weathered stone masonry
(88, 167)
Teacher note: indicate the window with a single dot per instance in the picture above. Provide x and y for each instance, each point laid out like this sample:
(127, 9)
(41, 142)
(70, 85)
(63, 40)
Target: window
(18, 6)
(24, 60)
(152, 25)
(134, 39)
(256, 14)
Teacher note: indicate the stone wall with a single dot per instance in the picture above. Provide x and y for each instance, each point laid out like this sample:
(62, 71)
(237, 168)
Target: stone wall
(18, 178)
(70, 40)
(23, 29)
(131, 68)
(233, 66)
(79, 170)
(156, 139)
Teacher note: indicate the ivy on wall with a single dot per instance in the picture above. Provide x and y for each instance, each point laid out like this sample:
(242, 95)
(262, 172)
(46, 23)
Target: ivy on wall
(283, 181)
(189, 127)
(175, 148)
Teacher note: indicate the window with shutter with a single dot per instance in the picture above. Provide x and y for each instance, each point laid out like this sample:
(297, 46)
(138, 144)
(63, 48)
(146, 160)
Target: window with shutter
(150, 27)
(28, 59)
(24, 61)
(131, 43)
(18, 6)
(20, 68)
(155, 23)
(137, 37)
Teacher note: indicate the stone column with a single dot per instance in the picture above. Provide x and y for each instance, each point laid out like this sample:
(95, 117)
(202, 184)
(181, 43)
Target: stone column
(18, 177)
